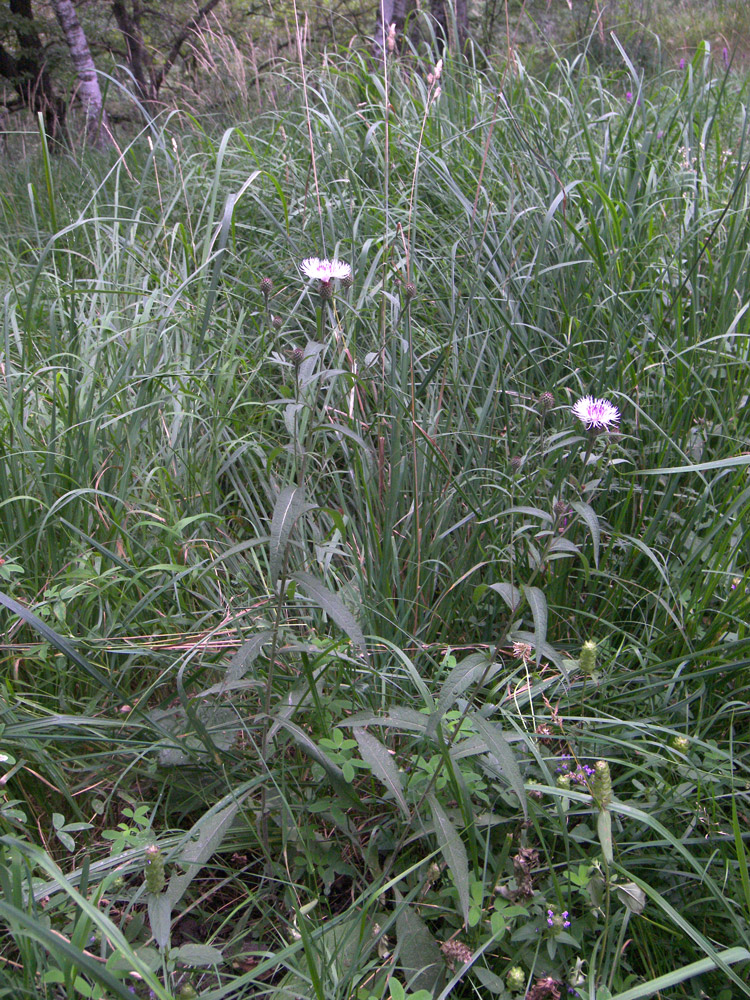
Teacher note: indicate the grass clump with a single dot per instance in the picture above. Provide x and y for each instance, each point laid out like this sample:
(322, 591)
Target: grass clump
(342, 658)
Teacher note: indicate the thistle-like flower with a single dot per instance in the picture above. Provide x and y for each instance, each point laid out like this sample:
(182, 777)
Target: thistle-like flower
(597, 414)
(325, 270)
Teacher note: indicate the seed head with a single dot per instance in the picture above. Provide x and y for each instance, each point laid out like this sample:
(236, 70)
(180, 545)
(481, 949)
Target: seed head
(154, 873)
(602, 785)
(516, 979)
(456, 951)
(588, 657)
(680, 743)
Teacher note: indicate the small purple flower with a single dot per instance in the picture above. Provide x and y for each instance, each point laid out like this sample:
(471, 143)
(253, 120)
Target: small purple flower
(628, 96)
(550, 918)
(566, 920)
(596, 414)
(682, 64)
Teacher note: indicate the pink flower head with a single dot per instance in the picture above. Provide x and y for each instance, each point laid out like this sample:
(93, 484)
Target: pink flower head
(596, 414)
(682, 64)
(325, 270)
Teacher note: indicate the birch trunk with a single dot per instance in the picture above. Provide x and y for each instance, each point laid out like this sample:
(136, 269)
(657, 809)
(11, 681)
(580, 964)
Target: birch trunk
(97, 127)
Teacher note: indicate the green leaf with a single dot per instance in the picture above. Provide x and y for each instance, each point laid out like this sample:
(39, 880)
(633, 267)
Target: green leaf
(59, 642)
(632, 896)
(159, 917)
(311, 748)
(488, 979)
(290, 505)
(510, 594)
(245, 656)
(671, 979)
(538, 604)
(382, 765)
(195, 955)
(420, 956)
(204, 839)
(462, 676)
(454, 852)
(333, 606)
(586, 511)
(604, 832)
(497, 745)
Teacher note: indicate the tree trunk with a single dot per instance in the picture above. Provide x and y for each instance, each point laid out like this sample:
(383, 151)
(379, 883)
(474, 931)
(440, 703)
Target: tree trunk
(28, 73)
(389, 12)
(147, 77)
(97, 127)
(451, 27)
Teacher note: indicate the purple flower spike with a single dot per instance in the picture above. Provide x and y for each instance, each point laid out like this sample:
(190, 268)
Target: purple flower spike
(682, 64)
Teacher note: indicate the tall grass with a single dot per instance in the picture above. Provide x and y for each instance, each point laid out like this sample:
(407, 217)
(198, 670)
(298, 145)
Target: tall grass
(298, 583)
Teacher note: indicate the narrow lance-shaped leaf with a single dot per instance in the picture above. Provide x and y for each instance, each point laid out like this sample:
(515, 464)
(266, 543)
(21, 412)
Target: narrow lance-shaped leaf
(538, 604)
(383, 766)
(499, 747)
(333, 606)
(290, 504)
(206, 837)
(454, 852)
(586, 511)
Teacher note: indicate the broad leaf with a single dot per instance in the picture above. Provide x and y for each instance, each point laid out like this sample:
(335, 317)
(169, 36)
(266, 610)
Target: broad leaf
(196, 955)
(510, 594)
(420, 956)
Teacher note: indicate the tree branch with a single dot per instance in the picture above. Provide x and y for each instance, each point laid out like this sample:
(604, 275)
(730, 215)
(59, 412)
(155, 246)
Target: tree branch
(180, 40)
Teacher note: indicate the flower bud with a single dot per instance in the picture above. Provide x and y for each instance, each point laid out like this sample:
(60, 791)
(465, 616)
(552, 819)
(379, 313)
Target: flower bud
(410, 291)
(186, 992)
(546, 401)
(680, 743)
(154, 873)
(602, 785)
(516, 979)
(266, 286)
(297, 356)
(326, 291)
(588, 657)
(276, 322)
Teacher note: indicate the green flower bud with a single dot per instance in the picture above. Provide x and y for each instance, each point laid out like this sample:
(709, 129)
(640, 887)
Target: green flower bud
(588, 657)
(154, 873)
(602, 785)
(564, 780)
(186, 992)
(516, 979)
(680, 743)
